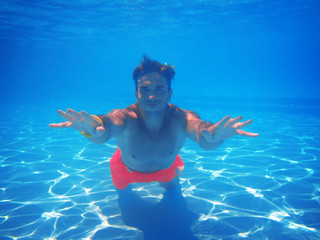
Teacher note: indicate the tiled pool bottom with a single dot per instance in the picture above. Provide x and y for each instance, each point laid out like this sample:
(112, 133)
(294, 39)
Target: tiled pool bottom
(56, 185)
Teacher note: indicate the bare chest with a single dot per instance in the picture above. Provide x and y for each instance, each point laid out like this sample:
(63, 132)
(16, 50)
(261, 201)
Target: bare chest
(145, 151)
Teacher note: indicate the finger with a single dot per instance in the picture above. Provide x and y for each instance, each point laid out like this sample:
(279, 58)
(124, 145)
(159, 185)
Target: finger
(75, 114)
(223, 121)
(66, 116)
(234, 120)
(86, 116)
(100, 131)
(247, 134)
(90, 118)
(242, 124)
(60, 125)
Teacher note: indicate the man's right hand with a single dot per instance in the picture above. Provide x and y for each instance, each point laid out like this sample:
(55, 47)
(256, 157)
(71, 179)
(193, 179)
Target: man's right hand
(81, 121)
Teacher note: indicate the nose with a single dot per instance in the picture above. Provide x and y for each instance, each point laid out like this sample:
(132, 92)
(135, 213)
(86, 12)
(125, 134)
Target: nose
(151, 96)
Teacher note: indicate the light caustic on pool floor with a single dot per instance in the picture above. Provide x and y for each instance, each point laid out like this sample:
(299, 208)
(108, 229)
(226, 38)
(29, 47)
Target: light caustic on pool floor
(59, 187)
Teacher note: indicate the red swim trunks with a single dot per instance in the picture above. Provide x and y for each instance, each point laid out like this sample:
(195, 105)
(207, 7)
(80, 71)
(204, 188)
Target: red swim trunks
(122, 177)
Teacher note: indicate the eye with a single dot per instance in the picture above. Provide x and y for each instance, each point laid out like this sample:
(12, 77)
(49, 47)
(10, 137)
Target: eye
(160, 90)
(143, 90)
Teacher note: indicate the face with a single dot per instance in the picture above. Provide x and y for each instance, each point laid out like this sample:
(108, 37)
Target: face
(153, 94)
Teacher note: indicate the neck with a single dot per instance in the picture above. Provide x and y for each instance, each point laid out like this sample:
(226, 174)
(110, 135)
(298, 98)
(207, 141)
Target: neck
(153, 120)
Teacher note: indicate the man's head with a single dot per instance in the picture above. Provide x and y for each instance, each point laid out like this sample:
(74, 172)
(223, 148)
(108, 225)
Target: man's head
(153, 85)
(148, 66)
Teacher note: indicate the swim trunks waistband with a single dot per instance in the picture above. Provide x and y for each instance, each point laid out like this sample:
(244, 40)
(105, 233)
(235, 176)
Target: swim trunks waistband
(122, 177)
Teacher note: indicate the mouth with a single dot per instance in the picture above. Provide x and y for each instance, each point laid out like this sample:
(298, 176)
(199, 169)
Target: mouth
(152, 104)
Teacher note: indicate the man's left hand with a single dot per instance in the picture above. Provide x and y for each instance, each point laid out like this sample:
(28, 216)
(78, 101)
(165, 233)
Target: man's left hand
(227, 128)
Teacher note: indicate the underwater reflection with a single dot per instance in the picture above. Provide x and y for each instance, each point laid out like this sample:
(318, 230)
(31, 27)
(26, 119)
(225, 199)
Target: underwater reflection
(168, 219)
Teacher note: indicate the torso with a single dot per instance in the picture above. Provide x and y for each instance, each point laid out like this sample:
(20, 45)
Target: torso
(146, 152)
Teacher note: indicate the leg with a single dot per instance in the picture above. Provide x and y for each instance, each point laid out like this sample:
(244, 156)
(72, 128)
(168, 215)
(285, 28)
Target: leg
(172, 184)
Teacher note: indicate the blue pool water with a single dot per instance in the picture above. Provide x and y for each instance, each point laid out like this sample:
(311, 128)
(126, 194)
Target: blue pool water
(57, 185)
(255, 58)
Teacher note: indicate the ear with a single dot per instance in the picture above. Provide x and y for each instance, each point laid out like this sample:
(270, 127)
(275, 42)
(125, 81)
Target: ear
(170, 94)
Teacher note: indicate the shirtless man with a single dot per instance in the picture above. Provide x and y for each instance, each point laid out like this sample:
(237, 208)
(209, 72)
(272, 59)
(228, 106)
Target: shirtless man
(151, 132)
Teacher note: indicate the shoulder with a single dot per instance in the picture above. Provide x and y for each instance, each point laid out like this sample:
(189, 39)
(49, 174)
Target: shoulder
(119, 116)
(176, 111)
(183, 117)
(183, 113)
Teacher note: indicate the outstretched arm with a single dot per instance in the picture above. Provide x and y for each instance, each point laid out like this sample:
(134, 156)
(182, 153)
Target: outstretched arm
(98, 129)
(210, 135)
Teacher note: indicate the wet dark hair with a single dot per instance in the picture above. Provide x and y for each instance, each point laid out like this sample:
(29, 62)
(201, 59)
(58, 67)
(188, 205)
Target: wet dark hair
(148, 65)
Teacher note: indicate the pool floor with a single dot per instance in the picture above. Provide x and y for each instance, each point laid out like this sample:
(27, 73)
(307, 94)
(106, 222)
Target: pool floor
(54, 184)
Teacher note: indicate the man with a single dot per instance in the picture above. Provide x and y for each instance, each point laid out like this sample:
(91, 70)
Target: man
(151, 132)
